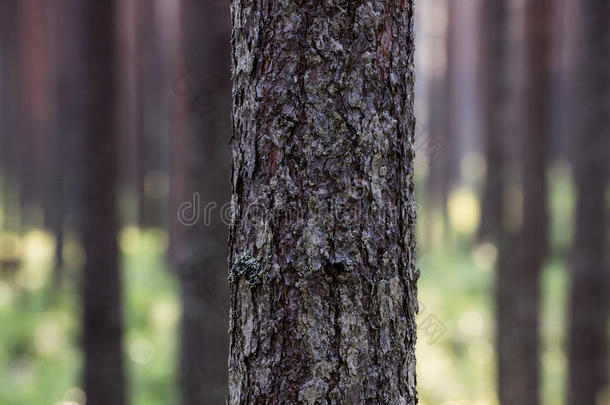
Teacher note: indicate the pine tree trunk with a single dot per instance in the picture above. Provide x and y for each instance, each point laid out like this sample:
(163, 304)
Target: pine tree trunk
(322, 261)
(102, 325)
(587, 349)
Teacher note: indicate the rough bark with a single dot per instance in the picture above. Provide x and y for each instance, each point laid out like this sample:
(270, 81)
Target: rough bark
(587, 348)
(102, 325)
(206, 83)
(322, 244)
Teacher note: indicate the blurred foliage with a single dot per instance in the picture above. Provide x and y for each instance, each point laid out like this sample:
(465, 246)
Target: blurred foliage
(39, 352)
(457, 286)
(39, 334)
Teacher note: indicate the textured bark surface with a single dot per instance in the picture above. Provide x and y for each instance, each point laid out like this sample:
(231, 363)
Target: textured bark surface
(101, 293)
(203, 256)
(322, 268)
(587, 348)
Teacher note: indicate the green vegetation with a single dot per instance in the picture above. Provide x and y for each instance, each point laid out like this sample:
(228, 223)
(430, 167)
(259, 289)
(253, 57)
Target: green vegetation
(39, 332)
(39, 327)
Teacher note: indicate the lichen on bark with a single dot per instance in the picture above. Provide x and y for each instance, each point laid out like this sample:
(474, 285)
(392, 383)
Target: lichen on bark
(322, 262)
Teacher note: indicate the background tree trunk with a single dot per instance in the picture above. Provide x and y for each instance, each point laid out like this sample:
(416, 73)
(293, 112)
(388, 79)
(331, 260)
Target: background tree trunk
(202, 260)
(101, 292)
(495, 94)
(438, 179)
(322, 271)
(69, 130)
(588, 341)
(496, 97)
(37, 174)
(11, 104)
(519, 358)
(151, 125)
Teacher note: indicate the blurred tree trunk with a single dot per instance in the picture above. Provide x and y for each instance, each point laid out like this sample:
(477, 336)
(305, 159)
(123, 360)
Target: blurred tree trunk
(128, 25)
(150, 121)
(36, 134)
(495, 94)
(69, 111)
(588, 352)
(520, 357)
(206, 85)
(101, 293)
(461, 81)
(438, 183)
(450, 163)
(179, 139)
(10, 104)
(435, 132)
(322, 272)
(494, 51)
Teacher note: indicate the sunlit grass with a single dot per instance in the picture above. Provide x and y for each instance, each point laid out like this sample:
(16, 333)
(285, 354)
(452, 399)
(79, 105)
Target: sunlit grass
(459, 366)
(37, 257)
(10, 246)
(457, 286)
(152, 313)
(40, 356)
